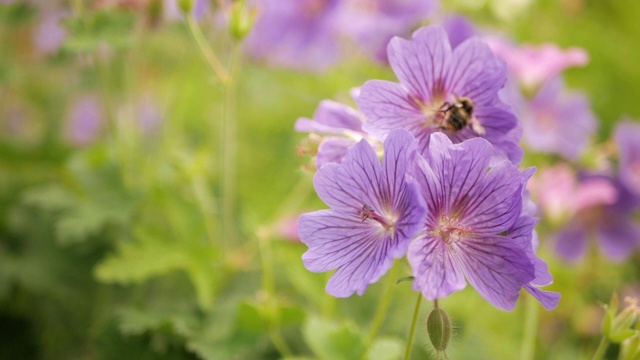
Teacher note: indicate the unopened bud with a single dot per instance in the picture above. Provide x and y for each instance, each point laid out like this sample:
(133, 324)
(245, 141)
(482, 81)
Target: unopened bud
(185, 6)
(241, 19)
(439, 329)
(619, 326)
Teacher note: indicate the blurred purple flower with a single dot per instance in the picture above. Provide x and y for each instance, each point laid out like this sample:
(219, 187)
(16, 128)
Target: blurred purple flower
(50, 34)
(149, 116)
(534, 65)
(561, 197)
(474, 225)
(459, 29)
(300, 34)
(627, 136)
(556, 120)
(433, 79)
(343, 127)
(372, 23)
(375, 211)
(593, 205)
(85, 121)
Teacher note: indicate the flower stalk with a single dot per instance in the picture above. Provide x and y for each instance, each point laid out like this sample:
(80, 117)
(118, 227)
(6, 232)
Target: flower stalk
(412, 330)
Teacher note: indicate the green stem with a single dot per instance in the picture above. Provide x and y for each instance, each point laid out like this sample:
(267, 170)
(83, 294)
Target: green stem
(381, 311)
(207, 208)
(416, 313)
(528, 350)
(207, 52)
(228, 128)
(268, 284)
(228, 143)
(602, 348)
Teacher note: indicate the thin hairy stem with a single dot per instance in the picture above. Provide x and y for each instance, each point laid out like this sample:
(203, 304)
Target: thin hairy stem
(412, 330)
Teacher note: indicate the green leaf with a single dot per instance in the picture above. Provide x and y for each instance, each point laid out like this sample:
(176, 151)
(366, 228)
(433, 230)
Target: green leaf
(403, 279)
(331, 341)
(142, 259)
(150, 255)
(251, 318)
(51, 198)
(255, 317)
(622, 335)
(310, 285)
(386, 349)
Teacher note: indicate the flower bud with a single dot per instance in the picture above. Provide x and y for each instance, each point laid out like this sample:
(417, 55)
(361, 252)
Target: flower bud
(185, 6)
(620, 326)
(439, 329)
(241, 19)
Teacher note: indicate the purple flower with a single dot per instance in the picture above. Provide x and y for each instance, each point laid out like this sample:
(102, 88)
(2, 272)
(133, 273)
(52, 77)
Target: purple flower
(557, 121)
(372, 23)
(474, 226)
(612, 224)
(452, 91)
(342, 126)
(459, 29)
(533, 65)
(375, 211)
(148, 114)
(627, 134)
(50, 33)
(299, 34)
(85, 121)
(561, 197)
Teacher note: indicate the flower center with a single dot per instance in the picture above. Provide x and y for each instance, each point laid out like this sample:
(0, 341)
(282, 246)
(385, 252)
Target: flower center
(367, 213)
(449, 230)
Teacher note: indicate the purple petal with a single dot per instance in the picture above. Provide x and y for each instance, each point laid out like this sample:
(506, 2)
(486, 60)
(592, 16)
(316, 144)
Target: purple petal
(495, 203)
(497, 122)
(488, 203)
(497, 267)
(522, 232)
(388, 106)
(476, 72)
(548, 299)
(338, 115)
(333, 150)
(421, 64)
(354, 184)
(397, 147)
(359, 250)
(397, 191)
(436, 273)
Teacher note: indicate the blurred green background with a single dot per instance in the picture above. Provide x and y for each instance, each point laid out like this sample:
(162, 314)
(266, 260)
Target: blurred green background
(112, 247)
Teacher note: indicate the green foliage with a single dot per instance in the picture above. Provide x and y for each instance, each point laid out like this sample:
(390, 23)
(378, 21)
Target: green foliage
(88, 32)
(331, 340)
(114, 249)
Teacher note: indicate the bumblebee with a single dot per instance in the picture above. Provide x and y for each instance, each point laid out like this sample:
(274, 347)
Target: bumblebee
(459, 115)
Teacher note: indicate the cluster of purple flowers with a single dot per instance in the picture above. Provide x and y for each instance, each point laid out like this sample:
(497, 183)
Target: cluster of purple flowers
(581, 201)
(448, 193)
(310, 34)
(601, 204)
